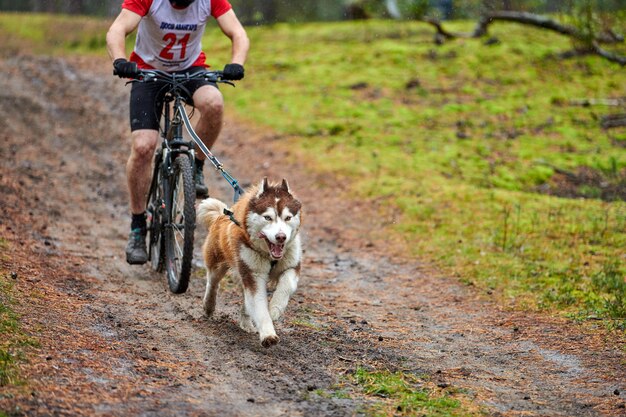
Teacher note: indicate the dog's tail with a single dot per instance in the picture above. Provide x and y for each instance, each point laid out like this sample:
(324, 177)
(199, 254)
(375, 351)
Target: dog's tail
(209, 210)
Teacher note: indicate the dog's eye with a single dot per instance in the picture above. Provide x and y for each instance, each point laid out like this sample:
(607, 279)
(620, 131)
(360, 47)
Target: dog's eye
(287, 218)
(268, 218)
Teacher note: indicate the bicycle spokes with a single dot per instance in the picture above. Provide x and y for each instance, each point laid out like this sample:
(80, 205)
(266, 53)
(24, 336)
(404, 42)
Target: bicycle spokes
(180, 228)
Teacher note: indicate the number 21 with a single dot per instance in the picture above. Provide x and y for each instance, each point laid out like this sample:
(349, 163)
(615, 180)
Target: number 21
(172, 40)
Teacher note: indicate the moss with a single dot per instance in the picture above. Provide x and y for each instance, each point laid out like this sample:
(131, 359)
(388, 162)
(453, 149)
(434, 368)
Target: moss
(406, 394)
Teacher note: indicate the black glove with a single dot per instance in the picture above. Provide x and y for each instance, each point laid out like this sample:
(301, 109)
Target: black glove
(125, 69)
(233, 72)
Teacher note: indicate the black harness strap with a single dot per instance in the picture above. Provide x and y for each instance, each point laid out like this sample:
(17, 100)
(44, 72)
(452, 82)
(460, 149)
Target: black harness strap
(231, 216)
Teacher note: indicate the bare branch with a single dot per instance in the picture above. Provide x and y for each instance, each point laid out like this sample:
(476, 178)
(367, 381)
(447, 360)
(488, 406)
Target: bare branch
(585, 102)
(619, 59)
(524, 18)
(540, 22)
(441, 31)
(613, 120)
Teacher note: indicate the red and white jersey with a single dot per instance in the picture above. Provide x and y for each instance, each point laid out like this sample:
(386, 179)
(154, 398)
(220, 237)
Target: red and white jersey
(169, 38)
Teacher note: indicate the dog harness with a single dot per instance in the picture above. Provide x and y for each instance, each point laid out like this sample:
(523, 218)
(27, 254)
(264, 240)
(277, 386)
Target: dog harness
(231, 216)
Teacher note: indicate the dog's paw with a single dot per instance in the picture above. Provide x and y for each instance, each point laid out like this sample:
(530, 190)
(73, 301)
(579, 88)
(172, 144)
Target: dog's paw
(270, 341)
(209, 308)
(246, 325)
(275, 313)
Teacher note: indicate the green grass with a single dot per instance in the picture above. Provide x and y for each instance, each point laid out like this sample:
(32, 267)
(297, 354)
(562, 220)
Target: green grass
(13, 341)
(458, 138)
(47, 34)
(404, 394)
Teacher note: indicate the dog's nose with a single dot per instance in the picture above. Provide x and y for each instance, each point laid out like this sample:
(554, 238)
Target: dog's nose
(281, 237)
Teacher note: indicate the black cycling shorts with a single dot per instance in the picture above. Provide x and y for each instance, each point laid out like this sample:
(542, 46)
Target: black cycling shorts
(146, 100)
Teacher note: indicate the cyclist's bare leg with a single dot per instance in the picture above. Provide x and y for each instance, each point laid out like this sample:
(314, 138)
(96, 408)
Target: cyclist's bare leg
(139, 167)
(209, 102)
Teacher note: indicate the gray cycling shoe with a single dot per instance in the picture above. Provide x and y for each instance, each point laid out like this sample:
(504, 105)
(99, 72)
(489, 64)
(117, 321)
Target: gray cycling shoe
(136, 252)
(202, 191)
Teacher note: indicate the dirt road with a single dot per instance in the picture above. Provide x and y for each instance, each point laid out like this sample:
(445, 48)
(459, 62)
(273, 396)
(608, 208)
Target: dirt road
(114, 341)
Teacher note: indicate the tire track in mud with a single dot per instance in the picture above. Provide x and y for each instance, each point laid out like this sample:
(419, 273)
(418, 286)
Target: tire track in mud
(354, 306)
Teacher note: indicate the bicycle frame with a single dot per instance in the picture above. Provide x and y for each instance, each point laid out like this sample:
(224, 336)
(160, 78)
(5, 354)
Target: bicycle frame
(173, 143)
(181, 115)
(172, 194)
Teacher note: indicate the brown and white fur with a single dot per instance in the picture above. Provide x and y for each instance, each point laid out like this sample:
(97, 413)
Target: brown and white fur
(263, 248)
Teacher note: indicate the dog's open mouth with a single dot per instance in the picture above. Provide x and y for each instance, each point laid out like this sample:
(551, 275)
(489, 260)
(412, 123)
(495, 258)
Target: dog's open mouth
(276, 250)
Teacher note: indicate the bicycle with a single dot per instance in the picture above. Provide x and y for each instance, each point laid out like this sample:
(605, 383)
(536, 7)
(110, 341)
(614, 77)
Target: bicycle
(171, 215)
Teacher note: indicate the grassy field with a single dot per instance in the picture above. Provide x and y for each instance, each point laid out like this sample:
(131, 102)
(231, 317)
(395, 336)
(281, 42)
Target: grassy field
(14, 342)
(466, 141)
(497, 175)
(405, 394)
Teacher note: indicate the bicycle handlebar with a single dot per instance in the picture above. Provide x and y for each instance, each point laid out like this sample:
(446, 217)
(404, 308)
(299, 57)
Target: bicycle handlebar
(175, 78)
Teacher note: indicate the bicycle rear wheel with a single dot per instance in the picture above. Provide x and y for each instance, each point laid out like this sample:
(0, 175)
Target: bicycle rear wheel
(178, 233)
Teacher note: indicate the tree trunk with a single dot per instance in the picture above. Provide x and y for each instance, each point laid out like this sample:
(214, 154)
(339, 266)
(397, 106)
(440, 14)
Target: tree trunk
(40, 6)
(76, 6)
(268, 10)
(393, 9)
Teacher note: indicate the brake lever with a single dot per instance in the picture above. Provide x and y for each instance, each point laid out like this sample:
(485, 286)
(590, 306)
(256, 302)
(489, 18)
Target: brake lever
(147, 77)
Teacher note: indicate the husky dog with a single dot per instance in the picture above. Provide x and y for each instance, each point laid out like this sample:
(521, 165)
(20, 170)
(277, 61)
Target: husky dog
(258, 241)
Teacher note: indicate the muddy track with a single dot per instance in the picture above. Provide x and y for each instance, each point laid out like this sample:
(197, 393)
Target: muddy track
(114, 341)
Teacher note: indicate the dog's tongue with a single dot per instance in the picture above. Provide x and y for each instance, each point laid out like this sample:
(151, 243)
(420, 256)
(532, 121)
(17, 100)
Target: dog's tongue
(277, 250)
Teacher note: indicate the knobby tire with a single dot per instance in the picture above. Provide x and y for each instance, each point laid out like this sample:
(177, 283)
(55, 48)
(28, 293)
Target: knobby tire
(178, 235)
(155, 219)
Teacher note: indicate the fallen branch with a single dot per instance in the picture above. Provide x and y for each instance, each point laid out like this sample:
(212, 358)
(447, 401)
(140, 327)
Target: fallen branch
(542, 22)
(617, 38)
(613, 57)
(441, 31)
(576, 52)
(586, 102)
(613, 120)
(556, 169)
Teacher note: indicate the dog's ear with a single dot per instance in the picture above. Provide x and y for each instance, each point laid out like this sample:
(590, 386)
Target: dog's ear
(264, 185)
(285, 186)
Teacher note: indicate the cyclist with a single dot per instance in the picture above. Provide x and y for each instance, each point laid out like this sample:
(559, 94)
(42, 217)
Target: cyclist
(169, 36)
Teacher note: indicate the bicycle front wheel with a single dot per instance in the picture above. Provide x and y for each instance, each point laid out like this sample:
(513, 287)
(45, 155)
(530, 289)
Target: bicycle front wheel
(154, 209)
(179, 231)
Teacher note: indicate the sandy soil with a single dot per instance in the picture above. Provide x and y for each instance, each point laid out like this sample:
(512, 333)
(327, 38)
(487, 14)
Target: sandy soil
(115, 341)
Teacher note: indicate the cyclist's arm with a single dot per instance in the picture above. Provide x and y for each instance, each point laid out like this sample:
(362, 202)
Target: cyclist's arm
(125, 23)
(232, 28)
